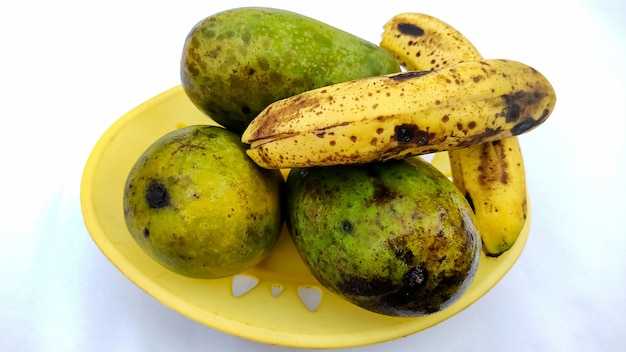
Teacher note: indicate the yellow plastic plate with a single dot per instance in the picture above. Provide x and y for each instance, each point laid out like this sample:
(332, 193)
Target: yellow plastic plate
(287, 306)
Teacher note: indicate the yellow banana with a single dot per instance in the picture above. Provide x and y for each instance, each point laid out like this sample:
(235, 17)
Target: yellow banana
(493, 179)
(491, 175)
(398, 115)
(423, 42)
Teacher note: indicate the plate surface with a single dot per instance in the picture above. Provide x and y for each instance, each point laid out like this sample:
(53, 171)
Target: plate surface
(284, 308)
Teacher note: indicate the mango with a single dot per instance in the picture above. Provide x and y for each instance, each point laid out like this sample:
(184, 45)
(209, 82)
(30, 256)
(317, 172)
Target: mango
(197, 205)
(395, 238)
(236, 62)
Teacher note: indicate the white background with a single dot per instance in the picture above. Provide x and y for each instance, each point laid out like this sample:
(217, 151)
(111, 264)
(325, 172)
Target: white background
(68, 70)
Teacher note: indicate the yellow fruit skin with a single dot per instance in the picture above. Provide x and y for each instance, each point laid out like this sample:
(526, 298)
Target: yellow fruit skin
(491, 175)
(423, 42)
(397, 115)
(198, 206)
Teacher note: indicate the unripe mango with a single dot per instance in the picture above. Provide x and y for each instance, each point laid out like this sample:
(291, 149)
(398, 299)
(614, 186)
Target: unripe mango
(199, 206)
(396, 238)
(236, 62)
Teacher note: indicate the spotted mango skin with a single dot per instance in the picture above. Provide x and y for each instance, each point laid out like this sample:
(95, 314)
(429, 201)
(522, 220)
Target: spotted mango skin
(395, 238)
(198, 206)
(235, 63)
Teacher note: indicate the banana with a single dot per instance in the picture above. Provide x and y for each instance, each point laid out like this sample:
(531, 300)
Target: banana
(493, 179)
(423, 42)
(491, 175)
(399, 115)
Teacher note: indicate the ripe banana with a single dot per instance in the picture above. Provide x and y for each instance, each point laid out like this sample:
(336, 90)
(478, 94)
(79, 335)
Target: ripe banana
(493, 179)
(398, 115)
(491, 175)
(423, 42)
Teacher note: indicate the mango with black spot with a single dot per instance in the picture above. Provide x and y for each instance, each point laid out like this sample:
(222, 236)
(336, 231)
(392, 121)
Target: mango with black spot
(236, 62)
(196, 204)
(395, 238)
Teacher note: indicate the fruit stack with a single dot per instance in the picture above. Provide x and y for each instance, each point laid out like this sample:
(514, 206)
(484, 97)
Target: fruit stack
(348, 122)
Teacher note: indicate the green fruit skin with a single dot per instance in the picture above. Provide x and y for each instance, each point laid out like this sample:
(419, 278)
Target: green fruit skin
(199, 206)
(235, 63)
(395, 238)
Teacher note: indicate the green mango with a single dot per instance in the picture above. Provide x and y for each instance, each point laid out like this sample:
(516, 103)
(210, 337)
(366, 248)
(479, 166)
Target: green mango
(395, 238)
(235, 63)
(197, 205)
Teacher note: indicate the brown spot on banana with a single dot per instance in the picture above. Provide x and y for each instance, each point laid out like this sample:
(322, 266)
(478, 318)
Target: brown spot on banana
(493, 165)
(408, 75)
(412, 134)
(410, 29)
(515, 101)
(284, 112)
